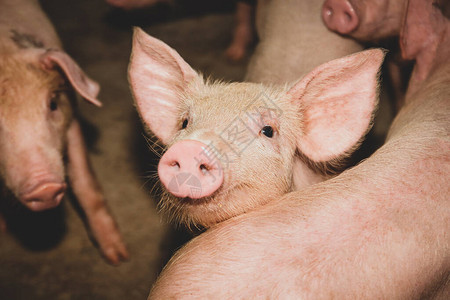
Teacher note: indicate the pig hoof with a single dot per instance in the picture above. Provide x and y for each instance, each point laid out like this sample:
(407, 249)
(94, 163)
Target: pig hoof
(235, 53)
(116, 255)
(113, 248)
(107, 235)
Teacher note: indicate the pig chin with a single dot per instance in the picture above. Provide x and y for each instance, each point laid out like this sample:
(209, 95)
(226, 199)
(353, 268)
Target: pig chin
(208, 211)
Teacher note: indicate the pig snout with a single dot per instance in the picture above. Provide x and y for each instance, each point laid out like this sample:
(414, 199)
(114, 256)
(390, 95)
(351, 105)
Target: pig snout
(187, 171)
(44, 196)
(339, 16)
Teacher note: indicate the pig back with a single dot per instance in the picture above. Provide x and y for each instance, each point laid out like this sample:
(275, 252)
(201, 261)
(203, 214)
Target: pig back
(23, 25)
(427, 111)
(293, 40)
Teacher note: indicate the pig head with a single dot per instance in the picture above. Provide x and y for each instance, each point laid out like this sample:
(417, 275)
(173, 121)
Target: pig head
(36, 110)
(368, 21)
(233, 146)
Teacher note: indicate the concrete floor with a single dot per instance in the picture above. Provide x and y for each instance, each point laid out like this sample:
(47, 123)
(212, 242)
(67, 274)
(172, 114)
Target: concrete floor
(49, 255)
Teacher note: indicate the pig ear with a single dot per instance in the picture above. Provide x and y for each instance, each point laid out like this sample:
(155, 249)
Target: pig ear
(426, 26)
(337, 100)
(84, 85)
(423, 23)
(158, 76)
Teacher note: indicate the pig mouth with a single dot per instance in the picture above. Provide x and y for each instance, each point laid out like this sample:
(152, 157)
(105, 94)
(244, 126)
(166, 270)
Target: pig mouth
(217, 196)
(191, 201)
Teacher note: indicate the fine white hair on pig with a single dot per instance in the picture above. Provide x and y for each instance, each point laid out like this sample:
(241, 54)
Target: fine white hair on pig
(239, 145)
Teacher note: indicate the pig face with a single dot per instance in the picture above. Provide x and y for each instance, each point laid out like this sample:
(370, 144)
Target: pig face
(227, 150)
(35, 113)
(232, 147)
(370, 20)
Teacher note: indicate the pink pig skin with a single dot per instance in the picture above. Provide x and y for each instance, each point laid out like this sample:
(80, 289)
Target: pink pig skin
(38, 125)
(377, 231)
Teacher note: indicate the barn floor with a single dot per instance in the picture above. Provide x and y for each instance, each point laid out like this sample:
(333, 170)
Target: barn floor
(49, 255)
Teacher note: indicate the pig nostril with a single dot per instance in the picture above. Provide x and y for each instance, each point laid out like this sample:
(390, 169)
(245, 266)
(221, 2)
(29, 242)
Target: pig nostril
(175, 164)
(348, 16)
(204, 168)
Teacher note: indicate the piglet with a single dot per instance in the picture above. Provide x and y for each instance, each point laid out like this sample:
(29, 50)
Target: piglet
(232, 147)
(38, 124)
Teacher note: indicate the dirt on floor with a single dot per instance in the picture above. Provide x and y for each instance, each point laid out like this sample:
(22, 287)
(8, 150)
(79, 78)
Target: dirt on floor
(49, 255)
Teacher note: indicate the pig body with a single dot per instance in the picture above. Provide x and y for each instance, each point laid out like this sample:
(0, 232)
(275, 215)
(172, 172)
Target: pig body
(38, 125)
(291, 34)
(228, 142)
(378, 230)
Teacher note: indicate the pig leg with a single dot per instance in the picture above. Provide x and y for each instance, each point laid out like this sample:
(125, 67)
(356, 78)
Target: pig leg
(89, 194)
(134, 4)
(243, 32)
(2, 224)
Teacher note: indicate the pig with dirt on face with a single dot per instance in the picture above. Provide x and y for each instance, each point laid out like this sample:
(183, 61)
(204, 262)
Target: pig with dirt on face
(232, 147)
(38, 125)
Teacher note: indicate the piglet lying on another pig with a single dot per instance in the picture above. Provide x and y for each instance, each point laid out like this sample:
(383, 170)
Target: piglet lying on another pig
(233, 147)
(38, 124)
(377, 231)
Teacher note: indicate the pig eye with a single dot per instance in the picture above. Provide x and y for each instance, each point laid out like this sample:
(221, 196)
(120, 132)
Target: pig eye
(53, 105)
(267, 131)
(185, 124)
